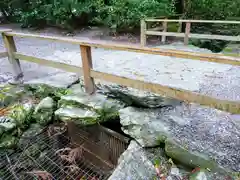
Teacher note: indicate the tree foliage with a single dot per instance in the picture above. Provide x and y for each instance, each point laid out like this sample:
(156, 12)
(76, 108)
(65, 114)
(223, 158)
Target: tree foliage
(123, 14)
(213, 10)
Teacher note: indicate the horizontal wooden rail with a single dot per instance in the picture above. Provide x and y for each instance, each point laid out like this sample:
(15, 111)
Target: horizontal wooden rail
(218, 58)
(3, 54)
(90, 74)
(197, 36)
(49, 63)
(193, 21)
(180, 94)
(5, 30)
(150, 32)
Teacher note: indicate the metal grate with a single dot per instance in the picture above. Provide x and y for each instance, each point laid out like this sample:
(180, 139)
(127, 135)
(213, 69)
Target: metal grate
(86, 153)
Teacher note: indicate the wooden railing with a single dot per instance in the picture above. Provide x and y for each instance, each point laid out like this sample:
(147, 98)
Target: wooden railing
(187, 34)
(89, 74)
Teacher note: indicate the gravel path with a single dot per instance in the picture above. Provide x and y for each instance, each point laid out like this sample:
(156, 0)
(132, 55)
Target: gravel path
(218, 80)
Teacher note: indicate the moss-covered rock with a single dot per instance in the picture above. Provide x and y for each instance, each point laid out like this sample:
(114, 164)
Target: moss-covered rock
(79, 116)
(22, 115)
(10, 95)
(232, 49)
(43, 113)
(94, 102)
(97, 106)
(138, 163)
(136, 98)
(191, 159)
(41, 91)
(192, 134)
(8, 141)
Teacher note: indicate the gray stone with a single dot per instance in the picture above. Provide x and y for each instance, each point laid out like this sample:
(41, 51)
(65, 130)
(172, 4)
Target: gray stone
(138, 163)
(208, 137)
(44, 111)
(232, 48)
(6, 123)
(97, 104)
(10, 95)
(46, 103)
(137, 98)
(96, 101)
(134, 165)
(59, 80)
(78, 115)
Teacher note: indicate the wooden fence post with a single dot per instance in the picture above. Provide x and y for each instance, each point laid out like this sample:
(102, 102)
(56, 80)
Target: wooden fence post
(187, 32)
(179, 27)
(87, 66)
(11, 49)
(164, 30)
(143, 33)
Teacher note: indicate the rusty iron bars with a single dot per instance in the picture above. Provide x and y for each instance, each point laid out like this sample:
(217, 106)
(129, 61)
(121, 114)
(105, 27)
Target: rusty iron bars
(89, 74)
(186, 35)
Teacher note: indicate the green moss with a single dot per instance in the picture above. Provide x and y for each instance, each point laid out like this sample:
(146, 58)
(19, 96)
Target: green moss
(107, 113)
(10, 95)
(8, 141)
(172, 27)
(188, 158)
(42, 91)
(72, 103)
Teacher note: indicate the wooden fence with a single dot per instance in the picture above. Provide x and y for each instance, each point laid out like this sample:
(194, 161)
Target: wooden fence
(187, 34)
(89, 74)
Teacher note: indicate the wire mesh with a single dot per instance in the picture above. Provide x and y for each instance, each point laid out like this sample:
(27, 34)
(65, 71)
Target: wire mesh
(72, 153)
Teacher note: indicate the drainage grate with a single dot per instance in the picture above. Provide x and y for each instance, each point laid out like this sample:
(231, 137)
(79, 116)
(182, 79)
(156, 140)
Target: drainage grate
(79, 153)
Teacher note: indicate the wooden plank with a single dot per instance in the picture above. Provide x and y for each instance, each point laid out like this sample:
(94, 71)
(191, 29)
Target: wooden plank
(87, 66)
(187, 32)
(192, 21)
(218, 58)
(179, 27)
(164, 30)
(3, 54)
(212, 36)
(143, 33)
(197, 36)
(154, 33)
(184, 95)
(5, 30)
(11, 49)
(49, 63)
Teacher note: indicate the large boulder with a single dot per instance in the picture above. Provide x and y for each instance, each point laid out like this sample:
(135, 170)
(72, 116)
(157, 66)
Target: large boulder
(78, 115)
(138, 163)
(194, 135)
(87, 109)
(134, 97)
(59, 80)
